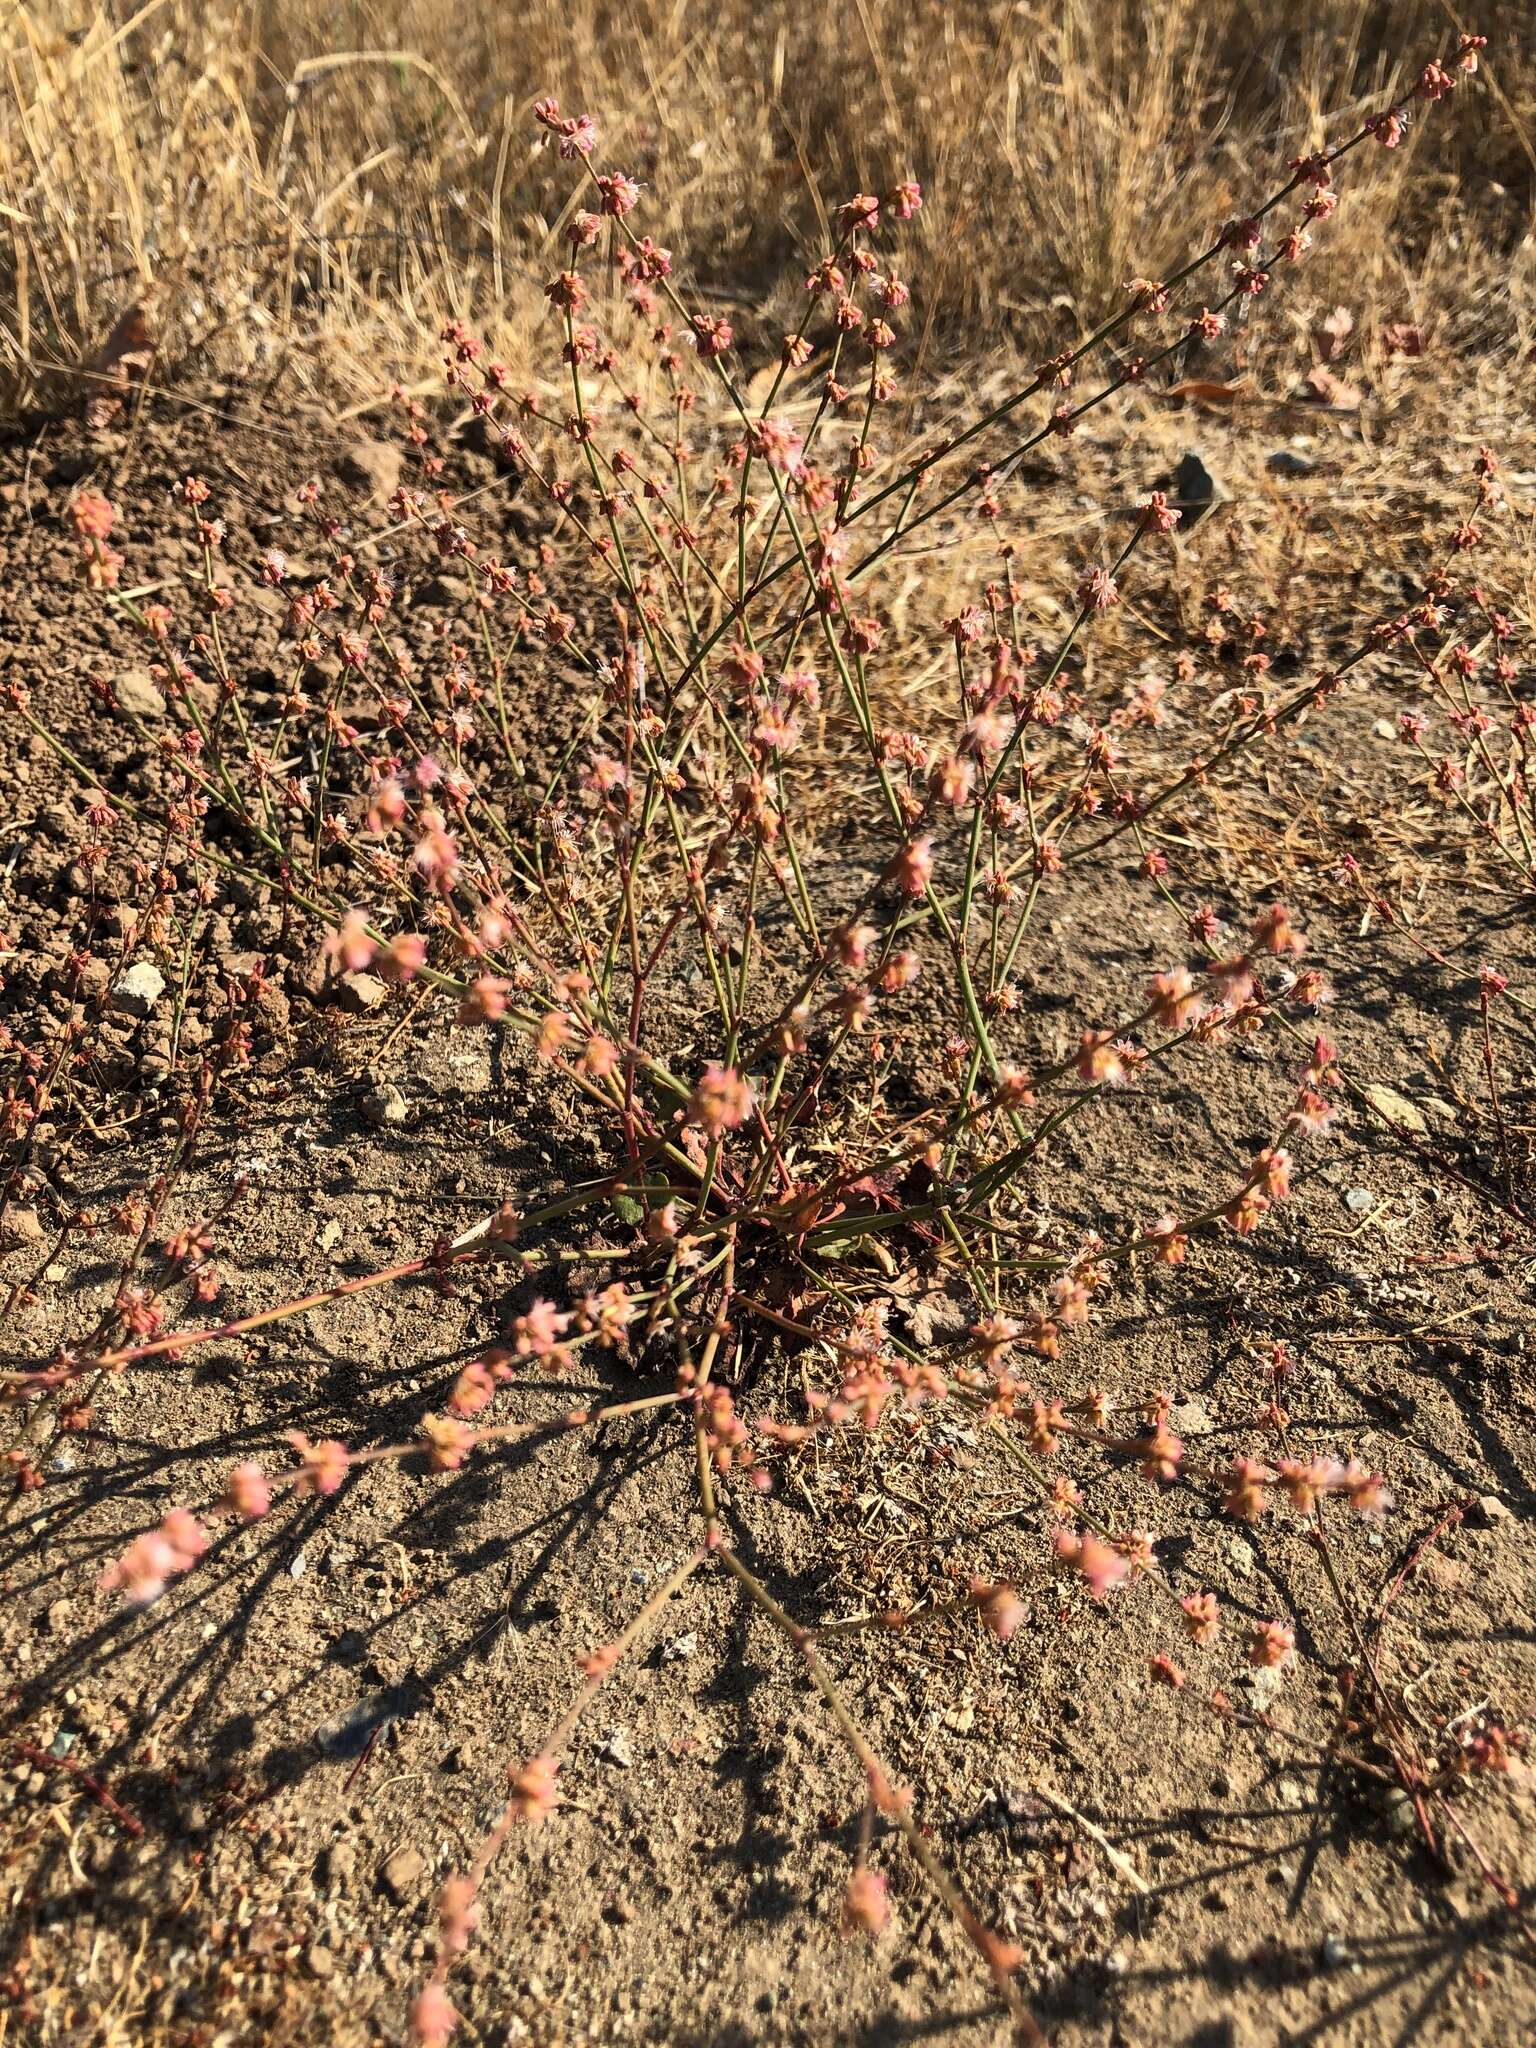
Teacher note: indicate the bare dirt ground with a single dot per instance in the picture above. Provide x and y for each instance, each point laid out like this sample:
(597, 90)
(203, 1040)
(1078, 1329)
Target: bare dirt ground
(225, 1816)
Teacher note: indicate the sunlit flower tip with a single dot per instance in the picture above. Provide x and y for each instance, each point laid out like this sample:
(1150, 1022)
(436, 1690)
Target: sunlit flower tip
(1245, 1494)
(620, 194)
(247, 1492)
(458, 1912)
(322, 1466)
(599, 1058)
(402, 959)
(349, 947)
(143, 1571)
(1157, 515)
(538, 1331)
(661, 1225)
(1274, 932)
(906, 199)
(446, 1442)
(866, 1903)
(1097, 591)
(1165, 1671)
(912, 868)
(485, 1000)
(721, 1101)
(1099, 1060)
(779, 445)
(552, 1035)
(473, 1390)
(1272, 1172)
(999, 1606)
(1170, 1244)
(1101, 1566)
(1161, 1454)
(1272, 1645)
(1365, 1491)
(861, 211)
(712, 337)
(992, 1336)
(1014, 1088)
(901, 970)
(433, 2018)
(1171, 998)
(186, 1535)
(91, 516)
(1202, 1617)
(534, 1795)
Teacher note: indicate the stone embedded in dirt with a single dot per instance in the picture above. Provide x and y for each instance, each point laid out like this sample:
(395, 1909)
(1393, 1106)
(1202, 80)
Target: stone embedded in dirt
(360, 993)
(443, 590)
(1489, 1512)
(1190, 1418)
(401, 1874)
(136, 694)
(320, 1962)
(614, 1749)
(271, 1007)
(137, 990)
(1394, 1107)
(460, 1065)
(1265, 1685)
(384, 1105)
(20, 1226)
(372, 466)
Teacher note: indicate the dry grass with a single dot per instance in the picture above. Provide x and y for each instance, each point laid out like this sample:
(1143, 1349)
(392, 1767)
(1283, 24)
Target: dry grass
(301, 192)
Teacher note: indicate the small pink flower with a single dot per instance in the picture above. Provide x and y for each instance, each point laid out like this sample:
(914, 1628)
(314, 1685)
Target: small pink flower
(534, 1794)
(866, 1903)
(1272, 1645)
(912, 868)
(721, 1101)
(322, 1466)
(1101, 1566)
(1246, 1481)
(1097, 591)
(91, 515)
(349, 946)
(247, 1492)
(143, 1571)
(1273, 931)
(1000, 1607)
(1202, 1617)
(433, 2018)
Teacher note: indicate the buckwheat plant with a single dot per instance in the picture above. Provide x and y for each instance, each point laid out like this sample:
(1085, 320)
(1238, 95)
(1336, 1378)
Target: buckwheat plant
(718, 568)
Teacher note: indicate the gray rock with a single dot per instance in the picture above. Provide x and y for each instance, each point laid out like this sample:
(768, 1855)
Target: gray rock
(1488, 1512)
(386, 1105)
(137, 990)
(1190, 1418)
(401, 1874)
(443, 591)
(371, 466)
(1395, 1107)
(360, 993)
(136, 693)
